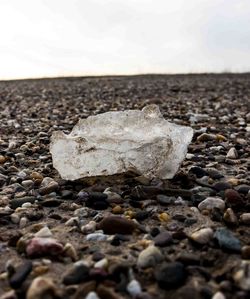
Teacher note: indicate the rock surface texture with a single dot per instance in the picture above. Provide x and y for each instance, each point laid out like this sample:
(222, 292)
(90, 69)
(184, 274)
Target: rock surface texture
(141, 142)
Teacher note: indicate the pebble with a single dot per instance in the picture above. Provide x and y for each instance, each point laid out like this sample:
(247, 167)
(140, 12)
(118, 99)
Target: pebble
(18, 202)
(113, 197)
(227, 240)
(232, 153)
(221, 186)
(9, 295)
(48, 185)
(212, 202)
(15, 218)
(42, 287)
(23, 222)
(77, 274)
(89, 227)
(149, 257)
(92, 295)
(164, 217)
(170, 275)
(233, 198)
(96, 237)
(165, 200)
(242, 276)
(206, 137)
(134, 288)
(163, 239)
(218, 295)
(116, 225)
(102, 264)
(202, 236)
(245, 218)
(245, 252)
(70, 251)
(43, 246)
(44, 232)
(229, 217)
(20, 274)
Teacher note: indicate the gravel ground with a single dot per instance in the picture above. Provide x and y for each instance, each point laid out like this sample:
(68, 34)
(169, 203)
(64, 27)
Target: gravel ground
(126, 237)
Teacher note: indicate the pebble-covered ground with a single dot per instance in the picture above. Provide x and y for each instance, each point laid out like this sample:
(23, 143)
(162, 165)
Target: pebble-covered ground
(126, 237)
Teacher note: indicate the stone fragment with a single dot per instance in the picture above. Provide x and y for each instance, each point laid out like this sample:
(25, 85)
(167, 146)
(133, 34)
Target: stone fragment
(44, 232)
(170, 275)
(227, 240)
(218, 295)
(43, 246)
(116, 225)
(245, 252)
(232, 153)
(149, 257)
(202, 236)
(212, 202)
(142, 142)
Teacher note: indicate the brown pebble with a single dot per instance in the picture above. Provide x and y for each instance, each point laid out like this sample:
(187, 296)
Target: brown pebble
(116, 225)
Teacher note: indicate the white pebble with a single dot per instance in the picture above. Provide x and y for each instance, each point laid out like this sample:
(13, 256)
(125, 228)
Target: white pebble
(92, 295)
(15, 218)
(134, 288)
(23, 222)
(44, 232)
(212, 202)
(102, 264)
(96, 237)
(218, 295)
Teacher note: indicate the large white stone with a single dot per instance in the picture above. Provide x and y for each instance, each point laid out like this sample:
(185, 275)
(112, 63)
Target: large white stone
(112, 143)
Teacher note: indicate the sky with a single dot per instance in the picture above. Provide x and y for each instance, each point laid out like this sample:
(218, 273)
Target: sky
(49, 38)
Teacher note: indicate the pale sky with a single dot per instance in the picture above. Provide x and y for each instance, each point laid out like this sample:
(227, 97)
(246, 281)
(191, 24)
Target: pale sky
(44, 38)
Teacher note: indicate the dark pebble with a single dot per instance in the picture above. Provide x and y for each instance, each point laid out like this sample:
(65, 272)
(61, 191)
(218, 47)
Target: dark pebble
(187, 258)
(116, 225)
(163, 239)
(244, 189)
(18, 202)
(226, 240)
(233, 198)
(49, 203)
(165, 200)
(170, 275)
(154, 231)
(67, 194)
(221, 186)
(76, 275)
(20, 275)
(179, 217)
(198, 171)
(97, 196)
(142, 215)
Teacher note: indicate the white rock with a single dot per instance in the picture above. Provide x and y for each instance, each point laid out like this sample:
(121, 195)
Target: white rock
(232, 153)
(96, 237)
(134, 288)
(44, 232)
(102, 264)
(212, 202)
(242, 276)
(23, 222)
(92, 295)
(111, 143)
(89, 227)
(245, 218)
(218, 295)
(202, 236)
(149, 257)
